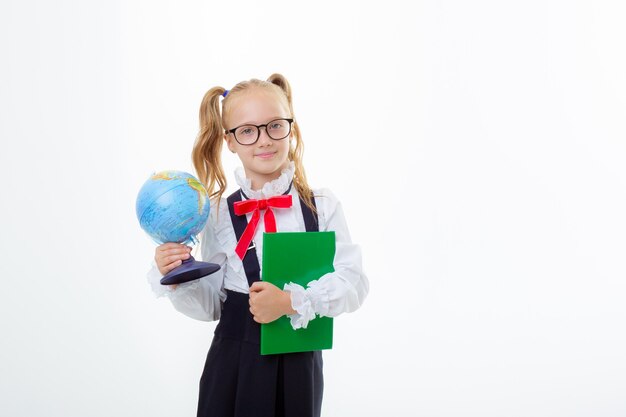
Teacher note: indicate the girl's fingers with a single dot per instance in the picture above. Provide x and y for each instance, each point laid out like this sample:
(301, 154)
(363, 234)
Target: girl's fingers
(173, 258)
(182, 249)
(170, 255)
(174, 265)
(164, 248)
(171, 262)
(171, 247)
(165, 260)
(165, 270)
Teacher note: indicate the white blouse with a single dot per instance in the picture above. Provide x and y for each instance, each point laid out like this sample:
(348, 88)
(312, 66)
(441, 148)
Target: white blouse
(332, 294)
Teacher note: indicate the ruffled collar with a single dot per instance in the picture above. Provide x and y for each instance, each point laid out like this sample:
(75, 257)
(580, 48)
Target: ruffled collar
(269, 189)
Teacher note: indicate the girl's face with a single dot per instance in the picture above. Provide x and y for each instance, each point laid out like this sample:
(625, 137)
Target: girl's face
(264, 160)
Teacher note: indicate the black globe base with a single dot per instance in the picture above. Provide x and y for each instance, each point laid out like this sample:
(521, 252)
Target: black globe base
(189, 270)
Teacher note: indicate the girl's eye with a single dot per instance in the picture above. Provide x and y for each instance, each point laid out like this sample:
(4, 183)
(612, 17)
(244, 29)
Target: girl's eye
(245, 131)
(276, 125)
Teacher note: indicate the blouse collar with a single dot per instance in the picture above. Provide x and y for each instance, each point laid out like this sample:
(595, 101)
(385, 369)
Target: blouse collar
(269, 189)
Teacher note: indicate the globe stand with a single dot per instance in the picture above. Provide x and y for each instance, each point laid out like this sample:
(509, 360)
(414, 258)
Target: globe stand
(189, 270)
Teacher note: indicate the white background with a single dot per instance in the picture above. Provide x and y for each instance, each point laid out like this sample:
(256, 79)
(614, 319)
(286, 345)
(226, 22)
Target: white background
(478, 148)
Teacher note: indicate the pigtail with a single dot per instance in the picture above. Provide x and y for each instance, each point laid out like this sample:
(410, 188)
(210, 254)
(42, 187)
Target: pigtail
(296, 152)
(207, 149)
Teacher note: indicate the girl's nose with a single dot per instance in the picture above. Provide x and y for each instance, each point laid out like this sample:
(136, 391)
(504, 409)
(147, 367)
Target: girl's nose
(264, 137)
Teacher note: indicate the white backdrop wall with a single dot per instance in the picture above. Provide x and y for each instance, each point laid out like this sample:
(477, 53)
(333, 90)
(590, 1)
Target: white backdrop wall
(478, 149)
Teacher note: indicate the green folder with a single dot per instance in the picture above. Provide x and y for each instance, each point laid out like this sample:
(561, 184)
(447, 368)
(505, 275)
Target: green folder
(298, 257)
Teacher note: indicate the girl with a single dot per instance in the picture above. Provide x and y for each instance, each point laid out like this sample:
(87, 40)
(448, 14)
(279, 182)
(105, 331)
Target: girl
(256, 121)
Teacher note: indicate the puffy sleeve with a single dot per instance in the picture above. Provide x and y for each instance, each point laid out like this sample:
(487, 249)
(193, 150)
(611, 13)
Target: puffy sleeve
(200, 299)
(341, 291)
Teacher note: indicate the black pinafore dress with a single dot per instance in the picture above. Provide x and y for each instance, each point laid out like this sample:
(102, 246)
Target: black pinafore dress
(237, 381)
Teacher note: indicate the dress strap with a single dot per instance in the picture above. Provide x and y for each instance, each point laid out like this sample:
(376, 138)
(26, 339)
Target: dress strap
(250, 260)
(311, 221)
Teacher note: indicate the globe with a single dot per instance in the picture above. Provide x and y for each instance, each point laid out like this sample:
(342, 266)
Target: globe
(173, 206)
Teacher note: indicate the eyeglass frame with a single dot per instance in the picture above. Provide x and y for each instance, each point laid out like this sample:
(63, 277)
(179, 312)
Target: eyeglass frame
(258, 130)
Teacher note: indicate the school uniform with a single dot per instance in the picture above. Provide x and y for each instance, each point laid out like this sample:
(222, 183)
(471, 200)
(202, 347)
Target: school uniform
(237, 380)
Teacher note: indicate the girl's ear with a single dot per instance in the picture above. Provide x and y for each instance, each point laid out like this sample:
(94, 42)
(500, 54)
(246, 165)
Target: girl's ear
(229, 143)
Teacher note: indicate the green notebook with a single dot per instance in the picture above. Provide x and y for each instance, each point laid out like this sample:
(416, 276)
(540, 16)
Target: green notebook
(298, 257)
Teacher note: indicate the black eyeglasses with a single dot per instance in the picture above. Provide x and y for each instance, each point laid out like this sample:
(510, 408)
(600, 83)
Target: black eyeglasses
(276, 129)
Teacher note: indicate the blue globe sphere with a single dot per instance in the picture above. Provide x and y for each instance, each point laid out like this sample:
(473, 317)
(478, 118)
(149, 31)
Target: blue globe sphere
(172, 206)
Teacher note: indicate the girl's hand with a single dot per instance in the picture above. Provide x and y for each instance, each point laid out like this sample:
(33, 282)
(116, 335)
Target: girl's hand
(268, 302)
(170, 255)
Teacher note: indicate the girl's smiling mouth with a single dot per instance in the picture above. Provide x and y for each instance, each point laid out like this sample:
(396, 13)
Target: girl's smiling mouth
(265, 155)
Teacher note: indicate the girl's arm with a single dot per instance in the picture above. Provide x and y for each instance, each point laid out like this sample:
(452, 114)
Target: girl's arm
(199, 299)
(341, 291)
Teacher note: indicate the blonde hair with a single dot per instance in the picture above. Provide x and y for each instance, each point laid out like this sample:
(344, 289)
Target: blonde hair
(207, 149)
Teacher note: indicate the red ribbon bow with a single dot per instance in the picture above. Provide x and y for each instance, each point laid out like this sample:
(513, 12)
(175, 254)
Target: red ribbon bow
(246, 206)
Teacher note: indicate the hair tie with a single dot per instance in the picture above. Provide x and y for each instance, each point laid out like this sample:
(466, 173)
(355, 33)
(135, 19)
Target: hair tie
(224, 93)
